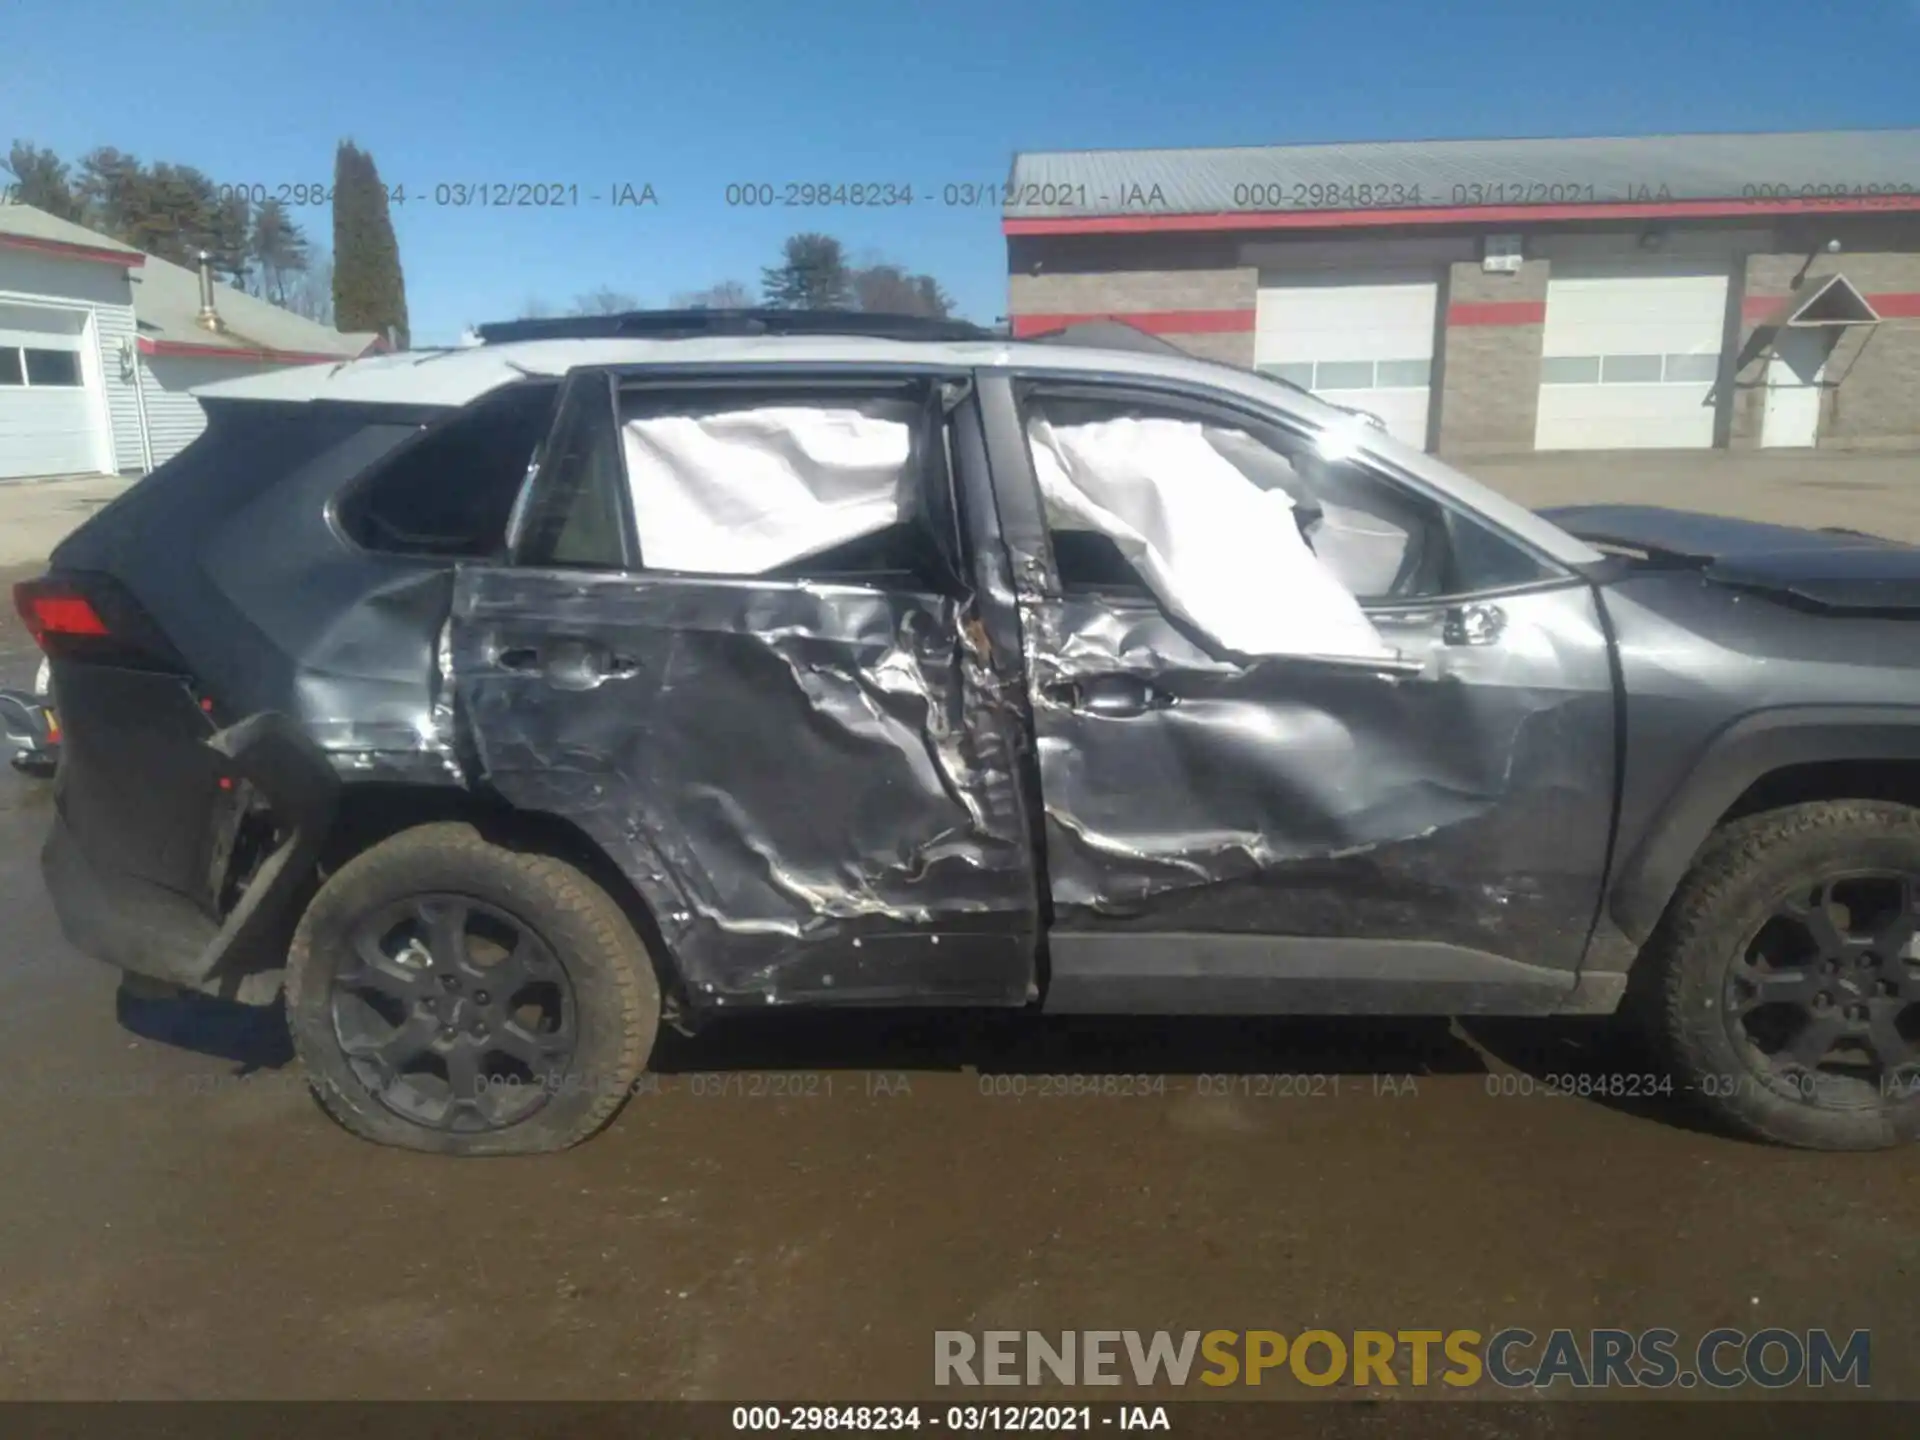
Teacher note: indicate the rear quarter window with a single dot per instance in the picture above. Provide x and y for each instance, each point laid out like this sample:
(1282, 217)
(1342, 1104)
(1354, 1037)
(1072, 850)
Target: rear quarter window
(451, 491)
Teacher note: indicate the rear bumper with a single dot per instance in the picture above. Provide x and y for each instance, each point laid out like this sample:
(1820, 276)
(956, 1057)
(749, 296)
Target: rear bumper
(147, 929)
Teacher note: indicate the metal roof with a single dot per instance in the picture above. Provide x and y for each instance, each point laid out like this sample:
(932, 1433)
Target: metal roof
(166, 305)
(24, 222)
(166, 298)
(1427, 173)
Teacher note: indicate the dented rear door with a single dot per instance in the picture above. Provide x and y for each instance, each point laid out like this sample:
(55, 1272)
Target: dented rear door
(806, 775)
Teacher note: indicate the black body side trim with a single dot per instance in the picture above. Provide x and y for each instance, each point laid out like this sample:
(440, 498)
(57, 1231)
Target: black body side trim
(1218, 974)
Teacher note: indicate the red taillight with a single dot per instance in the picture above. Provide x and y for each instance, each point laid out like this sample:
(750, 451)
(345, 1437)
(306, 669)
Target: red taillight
(47, 611)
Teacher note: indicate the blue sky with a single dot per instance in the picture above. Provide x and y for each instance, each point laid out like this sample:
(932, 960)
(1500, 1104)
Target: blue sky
(693, 96)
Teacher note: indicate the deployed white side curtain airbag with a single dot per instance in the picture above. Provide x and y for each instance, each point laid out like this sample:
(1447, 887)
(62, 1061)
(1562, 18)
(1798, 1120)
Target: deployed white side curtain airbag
(1217, 550)
(740, 492)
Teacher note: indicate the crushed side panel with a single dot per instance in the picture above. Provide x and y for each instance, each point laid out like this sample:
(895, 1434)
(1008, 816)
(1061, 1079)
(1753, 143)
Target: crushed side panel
(1469, 804)
(807, 784)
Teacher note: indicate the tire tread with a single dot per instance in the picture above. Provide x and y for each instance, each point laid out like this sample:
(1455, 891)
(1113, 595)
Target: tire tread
(635, 989)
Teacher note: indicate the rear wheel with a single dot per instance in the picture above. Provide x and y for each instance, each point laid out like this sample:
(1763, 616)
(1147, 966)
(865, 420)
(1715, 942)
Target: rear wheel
(1789, 986)
(451, 995)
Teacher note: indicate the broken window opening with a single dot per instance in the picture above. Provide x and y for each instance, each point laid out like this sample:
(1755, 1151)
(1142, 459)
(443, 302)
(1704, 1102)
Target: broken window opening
(849, 485)
(1261, 543)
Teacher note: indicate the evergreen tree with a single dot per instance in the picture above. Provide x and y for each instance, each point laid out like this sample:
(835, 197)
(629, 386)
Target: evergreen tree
(112, 190)
(231, 240)
(42, 180)
(279, 249)
(812, 276)
(369, 291)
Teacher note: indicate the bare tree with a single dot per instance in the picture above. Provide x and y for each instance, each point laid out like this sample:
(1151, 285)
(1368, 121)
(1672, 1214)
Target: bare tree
(309, 292)
(727, 295)
(885, 288)
(605, 301)
(279, 248)
(534, 308)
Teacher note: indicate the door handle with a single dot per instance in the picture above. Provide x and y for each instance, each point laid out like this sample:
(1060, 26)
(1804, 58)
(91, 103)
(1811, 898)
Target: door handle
(567, 663)
(520, 658)
(1473, 624)
(1112, 696)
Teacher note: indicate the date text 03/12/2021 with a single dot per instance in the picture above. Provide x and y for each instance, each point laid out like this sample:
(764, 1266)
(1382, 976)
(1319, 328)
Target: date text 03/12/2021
(962, 1419)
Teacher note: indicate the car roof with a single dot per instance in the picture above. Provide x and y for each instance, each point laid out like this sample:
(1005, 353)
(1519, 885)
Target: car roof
(456, 377)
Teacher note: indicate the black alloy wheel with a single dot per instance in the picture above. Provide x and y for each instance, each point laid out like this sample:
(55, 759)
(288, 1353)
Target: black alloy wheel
(458, 1015)
(1824, 998)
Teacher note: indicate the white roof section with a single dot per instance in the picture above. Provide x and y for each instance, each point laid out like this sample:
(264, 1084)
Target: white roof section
(166, 301)
(24, 222)
(453, 378)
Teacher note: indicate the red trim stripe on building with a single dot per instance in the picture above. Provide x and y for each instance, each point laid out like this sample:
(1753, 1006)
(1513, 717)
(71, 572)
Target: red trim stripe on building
(1447, 215)
(150, 346)
(73, 252)
(1497, 312)
(1893, 305)
(1154, 322)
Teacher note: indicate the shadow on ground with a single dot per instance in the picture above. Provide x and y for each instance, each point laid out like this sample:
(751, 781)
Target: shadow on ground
(1599, 1060)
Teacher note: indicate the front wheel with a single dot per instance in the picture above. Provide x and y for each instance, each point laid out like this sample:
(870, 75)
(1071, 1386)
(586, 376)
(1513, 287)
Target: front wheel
(1788, 977)
(451, 995)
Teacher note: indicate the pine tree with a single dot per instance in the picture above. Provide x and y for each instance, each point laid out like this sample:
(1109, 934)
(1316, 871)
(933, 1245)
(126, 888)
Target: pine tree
(369, 291)
(113, 192)
(812, 276)
(231, 241)
(42, 180)
(279, 249)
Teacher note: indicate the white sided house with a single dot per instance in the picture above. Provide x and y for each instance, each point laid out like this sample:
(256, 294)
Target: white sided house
(101, 345)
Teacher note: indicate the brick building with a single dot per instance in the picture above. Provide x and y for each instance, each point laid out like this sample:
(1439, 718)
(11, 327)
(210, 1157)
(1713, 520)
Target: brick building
(1493, 296)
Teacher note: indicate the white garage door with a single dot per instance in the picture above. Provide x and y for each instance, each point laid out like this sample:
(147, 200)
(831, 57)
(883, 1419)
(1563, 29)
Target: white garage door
(1366, 343)
(1629, 357)
(50, 419)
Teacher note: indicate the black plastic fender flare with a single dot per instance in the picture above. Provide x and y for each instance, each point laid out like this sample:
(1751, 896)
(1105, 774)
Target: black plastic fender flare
(1745, 751)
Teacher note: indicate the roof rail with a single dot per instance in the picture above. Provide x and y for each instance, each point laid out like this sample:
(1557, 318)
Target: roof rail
(688, 324)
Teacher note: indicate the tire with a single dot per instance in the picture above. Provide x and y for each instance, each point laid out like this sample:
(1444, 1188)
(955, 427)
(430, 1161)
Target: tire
(1767, 871)
(559, 938)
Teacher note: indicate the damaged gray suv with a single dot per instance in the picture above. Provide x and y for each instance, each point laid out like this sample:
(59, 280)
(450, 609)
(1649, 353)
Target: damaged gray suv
(494, 703)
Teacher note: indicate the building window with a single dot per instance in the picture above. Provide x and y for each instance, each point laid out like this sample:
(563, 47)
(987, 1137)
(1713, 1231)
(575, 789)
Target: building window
(1693, 369)
(50, 369)
(1353, 374)
(53, 367)
(1570, 370)
(1629, 369)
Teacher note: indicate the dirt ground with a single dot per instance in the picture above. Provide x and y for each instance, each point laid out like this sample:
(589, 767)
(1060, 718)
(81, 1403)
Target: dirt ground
(178, 1220)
